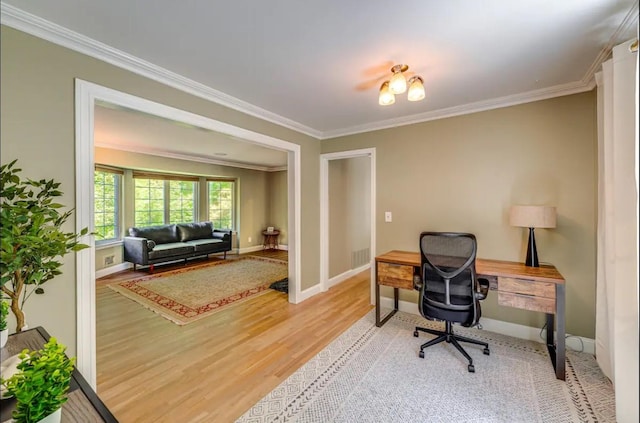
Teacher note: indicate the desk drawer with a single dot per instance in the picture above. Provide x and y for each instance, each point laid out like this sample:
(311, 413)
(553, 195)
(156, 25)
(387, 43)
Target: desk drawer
(396, 275)
(527, 302)
(527, 287)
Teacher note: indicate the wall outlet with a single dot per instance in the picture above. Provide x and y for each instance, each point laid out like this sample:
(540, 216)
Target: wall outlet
(249, 240)
(387, 217)
(108, 260)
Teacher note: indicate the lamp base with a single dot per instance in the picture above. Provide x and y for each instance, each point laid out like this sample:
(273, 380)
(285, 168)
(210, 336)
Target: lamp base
(532, 252)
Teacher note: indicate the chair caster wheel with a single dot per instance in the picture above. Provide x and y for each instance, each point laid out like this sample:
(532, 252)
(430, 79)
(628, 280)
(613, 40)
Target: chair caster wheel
(486, 351)
(471, 368)
(415, 333)
(421, 354)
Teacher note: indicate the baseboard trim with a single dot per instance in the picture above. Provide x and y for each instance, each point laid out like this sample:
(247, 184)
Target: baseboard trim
(283, 247)
(576, 343)
(113, 269)
(246, 250)
(308, 293)
(346, 275)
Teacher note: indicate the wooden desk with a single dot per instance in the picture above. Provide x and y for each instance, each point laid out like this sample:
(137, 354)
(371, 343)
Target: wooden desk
(529, 288)
(82, 406)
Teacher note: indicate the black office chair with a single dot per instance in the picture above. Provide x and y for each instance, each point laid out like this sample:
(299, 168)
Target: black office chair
(449, 289)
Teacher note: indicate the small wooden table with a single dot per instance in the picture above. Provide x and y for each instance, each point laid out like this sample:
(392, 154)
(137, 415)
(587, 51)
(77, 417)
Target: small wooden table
(82, 406)
(539, 289)
(270, 239)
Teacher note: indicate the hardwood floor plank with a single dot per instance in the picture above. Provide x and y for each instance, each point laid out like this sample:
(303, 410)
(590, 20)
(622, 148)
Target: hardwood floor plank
(214, 369)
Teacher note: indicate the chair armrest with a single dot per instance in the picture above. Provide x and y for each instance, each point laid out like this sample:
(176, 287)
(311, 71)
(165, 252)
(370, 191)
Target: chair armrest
(417, 282)
(483, 284)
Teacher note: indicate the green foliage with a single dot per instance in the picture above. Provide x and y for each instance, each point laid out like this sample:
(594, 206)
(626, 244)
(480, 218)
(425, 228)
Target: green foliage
(33, 242)
(4, 312)
(40, 386)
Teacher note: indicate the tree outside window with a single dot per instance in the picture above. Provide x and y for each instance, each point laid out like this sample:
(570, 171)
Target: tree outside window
(221, 203)
(161, 201)
(106, 206)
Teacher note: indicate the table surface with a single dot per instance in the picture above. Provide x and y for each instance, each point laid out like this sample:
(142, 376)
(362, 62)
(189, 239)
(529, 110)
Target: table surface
(546, 273)
(82, 406)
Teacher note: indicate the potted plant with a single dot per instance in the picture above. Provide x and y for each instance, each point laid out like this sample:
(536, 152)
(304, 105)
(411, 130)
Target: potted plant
(4, 332)
(33, 242)
(41, 383)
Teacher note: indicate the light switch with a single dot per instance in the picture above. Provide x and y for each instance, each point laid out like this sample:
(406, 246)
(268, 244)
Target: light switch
(387, 216)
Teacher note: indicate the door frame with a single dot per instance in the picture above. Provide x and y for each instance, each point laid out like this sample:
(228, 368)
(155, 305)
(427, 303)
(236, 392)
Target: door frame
(324, 211)
(86, 96)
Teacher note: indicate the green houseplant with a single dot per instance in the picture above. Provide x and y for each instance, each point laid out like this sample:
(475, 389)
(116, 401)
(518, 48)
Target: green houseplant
(40, 386)
(4, 332)
(33, 242)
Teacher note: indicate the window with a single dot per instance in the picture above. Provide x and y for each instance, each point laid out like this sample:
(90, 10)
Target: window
(161, 199)
(181, 201)
(106, 205)
(221, 203)
(149, 202)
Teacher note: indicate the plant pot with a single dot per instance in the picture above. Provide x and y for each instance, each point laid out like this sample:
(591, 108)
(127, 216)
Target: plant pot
(4, 335)
(53, 417)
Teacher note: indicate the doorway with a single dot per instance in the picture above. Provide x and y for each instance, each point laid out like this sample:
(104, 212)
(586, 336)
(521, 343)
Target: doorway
(87, 94)
(359, 256)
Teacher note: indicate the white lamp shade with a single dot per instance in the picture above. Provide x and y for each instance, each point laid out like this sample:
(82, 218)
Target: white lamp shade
(533, 216)
(416, 89)
(398, 83)
(386, 97)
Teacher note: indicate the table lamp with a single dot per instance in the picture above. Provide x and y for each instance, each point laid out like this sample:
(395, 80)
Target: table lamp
(532, 217)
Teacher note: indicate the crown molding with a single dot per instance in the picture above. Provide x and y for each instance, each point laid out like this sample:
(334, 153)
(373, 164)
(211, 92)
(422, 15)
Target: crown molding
(480, 106)
(26, 22)
(187, 157)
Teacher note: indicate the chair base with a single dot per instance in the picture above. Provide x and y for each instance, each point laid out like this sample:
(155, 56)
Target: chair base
(451, 338)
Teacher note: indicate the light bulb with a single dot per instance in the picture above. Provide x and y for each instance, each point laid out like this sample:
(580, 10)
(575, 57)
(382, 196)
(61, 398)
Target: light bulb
(398, 83)
(416, 89)
(386, 96)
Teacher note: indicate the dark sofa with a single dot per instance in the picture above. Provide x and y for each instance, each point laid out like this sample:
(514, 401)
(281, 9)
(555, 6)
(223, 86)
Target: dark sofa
(158, 244)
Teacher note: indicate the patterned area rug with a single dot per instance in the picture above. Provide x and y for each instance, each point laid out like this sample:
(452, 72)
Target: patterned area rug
(371, 374)
(186, 295)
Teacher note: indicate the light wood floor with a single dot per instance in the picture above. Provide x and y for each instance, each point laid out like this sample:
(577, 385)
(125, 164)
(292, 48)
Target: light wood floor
(214, 369)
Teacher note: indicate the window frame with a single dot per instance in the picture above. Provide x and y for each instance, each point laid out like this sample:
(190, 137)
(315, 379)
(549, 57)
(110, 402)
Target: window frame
(118, 198)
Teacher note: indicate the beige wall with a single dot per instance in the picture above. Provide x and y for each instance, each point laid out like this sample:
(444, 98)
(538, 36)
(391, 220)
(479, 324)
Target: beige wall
(339, 236)
(463, 174)
(37, 115)
(349, 212)
(278, 204)
(254, 193)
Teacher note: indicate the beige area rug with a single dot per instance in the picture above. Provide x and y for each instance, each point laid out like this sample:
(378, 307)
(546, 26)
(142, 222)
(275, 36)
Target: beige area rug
(371, 374)
(186, 295)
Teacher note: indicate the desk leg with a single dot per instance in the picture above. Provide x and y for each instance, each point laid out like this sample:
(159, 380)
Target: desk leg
(560, 332)
(380, 322)
(557, 349)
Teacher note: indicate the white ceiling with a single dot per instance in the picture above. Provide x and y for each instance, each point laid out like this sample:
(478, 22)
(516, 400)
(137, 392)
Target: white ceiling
(316, 66)
(124, 129)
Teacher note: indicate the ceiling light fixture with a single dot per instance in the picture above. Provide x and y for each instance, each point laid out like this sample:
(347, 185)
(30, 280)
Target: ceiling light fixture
(386, 96)
(398, 85)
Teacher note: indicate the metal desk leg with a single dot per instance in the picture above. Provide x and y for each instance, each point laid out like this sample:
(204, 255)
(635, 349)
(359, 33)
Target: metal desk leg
(560, 332)
(380, 322)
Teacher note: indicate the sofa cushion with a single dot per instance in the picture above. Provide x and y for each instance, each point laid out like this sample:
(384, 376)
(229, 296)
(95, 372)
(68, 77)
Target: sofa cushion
(191, 231)
(201, 245)
(170, 249)
(161, 234)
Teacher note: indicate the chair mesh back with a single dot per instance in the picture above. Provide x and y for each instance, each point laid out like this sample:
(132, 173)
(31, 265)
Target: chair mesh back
(448, 256)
